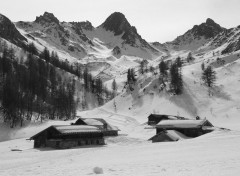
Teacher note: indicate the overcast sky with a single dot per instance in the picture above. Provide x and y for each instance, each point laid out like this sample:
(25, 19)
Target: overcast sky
(155, 20)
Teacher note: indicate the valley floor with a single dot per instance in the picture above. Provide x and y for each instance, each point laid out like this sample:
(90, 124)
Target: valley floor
(213, 154)
(216, 153)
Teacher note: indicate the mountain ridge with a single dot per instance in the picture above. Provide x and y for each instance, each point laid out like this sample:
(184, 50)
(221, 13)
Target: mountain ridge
(120, 38)
(9, 32)
(196, 36)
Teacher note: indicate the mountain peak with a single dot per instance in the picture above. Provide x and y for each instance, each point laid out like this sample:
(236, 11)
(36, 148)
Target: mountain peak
(116, 23)
(197, 36)
(210, 21)
(118, 14)
(207, 30)
(47, 18)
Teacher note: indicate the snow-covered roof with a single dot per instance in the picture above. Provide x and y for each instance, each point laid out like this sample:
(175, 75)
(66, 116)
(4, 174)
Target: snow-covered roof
(176, 134)
(99, 122)
(180, 123)
(68, 129)
(172, 134)
(76, 128)
(92, 122)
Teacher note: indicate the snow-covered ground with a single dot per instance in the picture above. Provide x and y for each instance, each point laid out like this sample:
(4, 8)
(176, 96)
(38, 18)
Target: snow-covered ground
(131, 153)
(213, 154)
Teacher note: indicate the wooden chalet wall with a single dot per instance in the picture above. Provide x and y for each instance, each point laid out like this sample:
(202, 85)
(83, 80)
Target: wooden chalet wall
(50, 137)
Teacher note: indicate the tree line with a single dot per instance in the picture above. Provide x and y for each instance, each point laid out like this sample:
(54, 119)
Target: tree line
(31, 87)
(95, 86)
(171, 74)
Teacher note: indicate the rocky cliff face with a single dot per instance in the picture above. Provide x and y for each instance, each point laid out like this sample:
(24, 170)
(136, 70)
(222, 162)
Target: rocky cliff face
(230, 38)
(197, 36)
(9, 32)
(46, 19)
(207, 30)
(78, 27)
(61, 35)
(119, 25)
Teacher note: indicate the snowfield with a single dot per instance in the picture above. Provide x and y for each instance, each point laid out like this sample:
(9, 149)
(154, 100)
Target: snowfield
(130, 153)
(216, 153)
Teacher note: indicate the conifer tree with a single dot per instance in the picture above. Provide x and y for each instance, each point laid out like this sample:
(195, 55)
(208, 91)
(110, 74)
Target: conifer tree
(142, 67)
(176, 83)
(99, 91)
(209, 77)
(114, 87)
(190, 57)
(45, 55)
(32, 49)
(163, 71)
(203, 66)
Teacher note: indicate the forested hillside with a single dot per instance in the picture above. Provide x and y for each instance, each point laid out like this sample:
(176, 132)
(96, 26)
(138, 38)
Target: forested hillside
(37, 86)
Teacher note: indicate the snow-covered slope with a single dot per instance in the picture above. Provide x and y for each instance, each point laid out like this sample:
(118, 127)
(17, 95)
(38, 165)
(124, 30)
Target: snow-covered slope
(80, 42)
(130, 153)
(50, 32)
(196, 37)
(81, 39)
(225, 42)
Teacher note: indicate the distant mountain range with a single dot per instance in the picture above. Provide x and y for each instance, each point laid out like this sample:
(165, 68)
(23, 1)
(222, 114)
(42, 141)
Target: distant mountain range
(115, 37)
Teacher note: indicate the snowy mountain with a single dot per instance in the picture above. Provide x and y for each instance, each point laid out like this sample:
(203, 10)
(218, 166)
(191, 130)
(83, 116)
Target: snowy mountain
(108, 51)
(115, 37)
(227, 41)
(197, 36)
(161, 47)
(49, 31)
(119, 26)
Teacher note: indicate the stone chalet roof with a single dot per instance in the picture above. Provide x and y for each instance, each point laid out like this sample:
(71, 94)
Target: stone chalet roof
(182, 123)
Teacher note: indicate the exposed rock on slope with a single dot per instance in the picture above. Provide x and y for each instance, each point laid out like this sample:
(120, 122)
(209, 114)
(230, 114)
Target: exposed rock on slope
(118, 24)
(197, 36)
(160, 47)
(61, 35)
(81, 39)
(9, 32)
(229, 38)
(46, 18)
